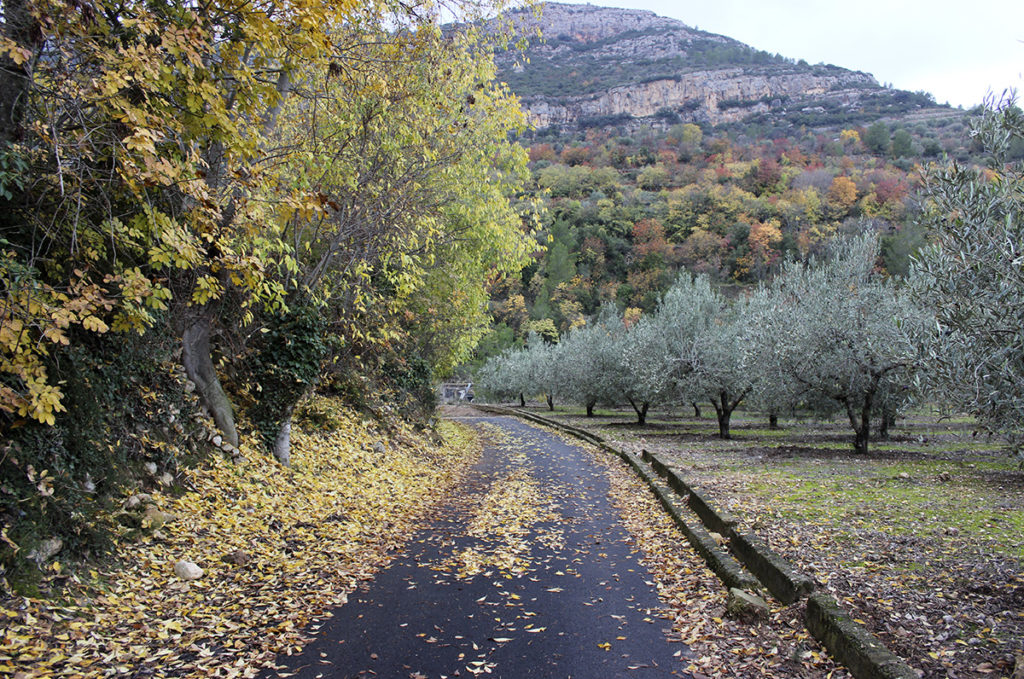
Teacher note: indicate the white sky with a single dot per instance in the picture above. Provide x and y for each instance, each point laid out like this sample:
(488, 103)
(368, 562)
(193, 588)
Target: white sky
(958, 50)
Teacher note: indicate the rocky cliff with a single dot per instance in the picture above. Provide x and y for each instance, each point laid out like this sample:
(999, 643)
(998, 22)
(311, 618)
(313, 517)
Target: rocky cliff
(588, 64)
(717, 96)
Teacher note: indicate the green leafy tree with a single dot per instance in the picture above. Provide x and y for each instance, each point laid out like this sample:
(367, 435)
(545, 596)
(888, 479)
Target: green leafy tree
(775, 390)
(684, 313)
(590, 357)
(643, 375)
(505, 377)
(876, 138)
(547, 375)
(725, 359)
(209, 169)
(902, 144)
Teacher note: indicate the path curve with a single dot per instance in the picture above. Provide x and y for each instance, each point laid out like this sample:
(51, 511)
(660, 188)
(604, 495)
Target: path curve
(527, 574)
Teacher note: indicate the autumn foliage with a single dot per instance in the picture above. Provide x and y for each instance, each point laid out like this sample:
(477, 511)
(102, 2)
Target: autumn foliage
(177, 183)
(277, 549)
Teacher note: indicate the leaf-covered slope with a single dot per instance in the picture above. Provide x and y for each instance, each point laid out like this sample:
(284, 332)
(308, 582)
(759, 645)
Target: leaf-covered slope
(277, 548)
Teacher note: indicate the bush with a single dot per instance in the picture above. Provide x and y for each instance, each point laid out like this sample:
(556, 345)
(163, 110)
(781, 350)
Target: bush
(285, 365)
(128, 404)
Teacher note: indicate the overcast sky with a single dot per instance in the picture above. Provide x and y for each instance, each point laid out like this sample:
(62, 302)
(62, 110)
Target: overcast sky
(958, 51)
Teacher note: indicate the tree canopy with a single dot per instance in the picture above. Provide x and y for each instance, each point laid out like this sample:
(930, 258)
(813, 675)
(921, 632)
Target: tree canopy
(971, 276)
(201, 168)
(213, 208)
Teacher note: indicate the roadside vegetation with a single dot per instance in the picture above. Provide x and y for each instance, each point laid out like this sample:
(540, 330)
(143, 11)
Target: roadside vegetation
(206, 213)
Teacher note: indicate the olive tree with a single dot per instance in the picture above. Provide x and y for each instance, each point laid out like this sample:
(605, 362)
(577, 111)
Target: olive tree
(545, 368)
(972, 277)
(504, 377)
(768, 318)
(686, 310)
(725, 359)
(590, 358)
(643, 373)
(854, 337)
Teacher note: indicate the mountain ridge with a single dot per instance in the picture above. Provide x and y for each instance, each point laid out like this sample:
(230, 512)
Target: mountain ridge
(595, 65)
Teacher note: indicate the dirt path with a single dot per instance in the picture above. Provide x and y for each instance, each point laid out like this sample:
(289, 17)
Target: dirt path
(528, 574)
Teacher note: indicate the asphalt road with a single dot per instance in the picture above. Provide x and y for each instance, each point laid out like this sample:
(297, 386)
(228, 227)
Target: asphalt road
(527, 574)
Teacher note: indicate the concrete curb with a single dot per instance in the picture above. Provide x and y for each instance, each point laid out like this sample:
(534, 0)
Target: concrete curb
(780, 578)
(526, 415)
(852, 645)
(728, 570)
(720, 522)
(784, 582)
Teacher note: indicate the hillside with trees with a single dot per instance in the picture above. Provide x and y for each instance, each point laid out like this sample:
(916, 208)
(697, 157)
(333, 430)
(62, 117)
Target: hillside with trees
(763, 216)
(628, 211)
(866, 293)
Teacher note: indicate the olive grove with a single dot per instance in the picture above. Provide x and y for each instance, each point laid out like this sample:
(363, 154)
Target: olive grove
(828, 335)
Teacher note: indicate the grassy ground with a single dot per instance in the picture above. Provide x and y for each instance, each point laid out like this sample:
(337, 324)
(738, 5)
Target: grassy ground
(921, 539)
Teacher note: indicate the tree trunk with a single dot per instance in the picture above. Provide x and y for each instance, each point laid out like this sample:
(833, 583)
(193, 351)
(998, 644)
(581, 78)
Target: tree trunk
(522, 400)
(773, 420)
(551, 402)
(883, 425)
(723, 422)
(860, 441)
(283, 441)
(861, 423)
(195, 344)
(590, 408)
(723, 410)
(641, 411)
(723, 413)
(696, 410)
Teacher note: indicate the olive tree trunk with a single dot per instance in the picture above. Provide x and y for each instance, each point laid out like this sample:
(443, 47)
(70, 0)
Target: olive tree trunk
(641, 411)
(861, 423)
(724, 407)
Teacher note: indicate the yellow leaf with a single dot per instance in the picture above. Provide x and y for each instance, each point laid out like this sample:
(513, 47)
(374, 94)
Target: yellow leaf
(95, 324)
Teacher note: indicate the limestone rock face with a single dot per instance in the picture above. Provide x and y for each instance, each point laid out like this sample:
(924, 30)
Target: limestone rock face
(706, 89)
(594, 62)
(589, 23)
